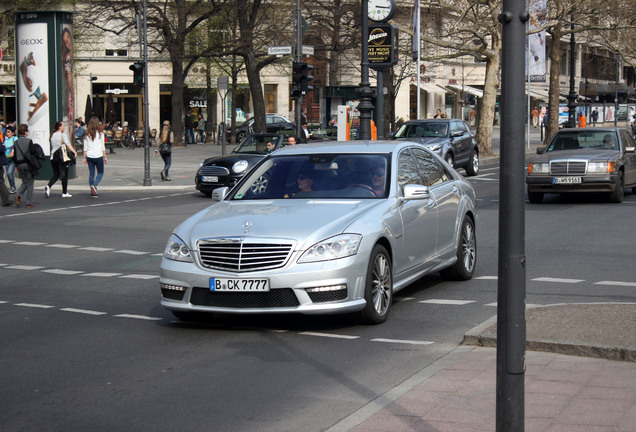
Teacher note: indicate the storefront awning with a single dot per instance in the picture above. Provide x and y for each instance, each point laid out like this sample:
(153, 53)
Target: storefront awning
(610, 89)
(539, 93)
(467, 89)
(431, 88)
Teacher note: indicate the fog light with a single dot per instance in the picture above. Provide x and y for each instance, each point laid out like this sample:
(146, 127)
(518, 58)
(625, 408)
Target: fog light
(327, 288)
(172, 287)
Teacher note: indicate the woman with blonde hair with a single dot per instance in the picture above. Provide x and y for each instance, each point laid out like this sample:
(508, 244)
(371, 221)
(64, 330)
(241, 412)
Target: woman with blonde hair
(165, 149)
(60, 166)
(94, 153)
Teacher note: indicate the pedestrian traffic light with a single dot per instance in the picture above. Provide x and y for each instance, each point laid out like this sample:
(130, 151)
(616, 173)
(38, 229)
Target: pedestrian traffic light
(138, 72)
(301, 78)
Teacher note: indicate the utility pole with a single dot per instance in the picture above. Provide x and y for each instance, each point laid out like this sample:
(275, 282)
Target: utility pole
(147, 178)
(364, 91)
(572, 96)
(298, 57)
(511, 287)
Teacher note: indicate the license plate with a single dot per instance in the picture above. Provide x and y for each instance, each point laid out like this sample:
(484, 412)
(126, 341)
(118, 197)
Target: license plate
(210, 179)
(566, 180)
(239, 285)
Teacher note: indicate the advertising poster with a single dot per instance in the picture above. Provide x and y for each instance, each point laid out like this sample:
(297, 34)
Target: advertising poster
(33, 81)
(66, 52)
(535, 42)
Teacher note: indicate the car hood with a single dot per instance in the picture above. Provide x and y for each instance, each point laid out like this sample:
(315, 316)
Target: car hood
(305, 220)
(232, 158)
(426, 140)
(596, 154)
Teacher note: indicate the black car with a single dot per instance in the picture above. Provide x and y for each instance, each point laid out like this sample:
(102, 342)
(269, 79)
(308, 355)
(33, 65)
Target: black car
(274, 123)
(227, 170)
(451, 139)
(584, 160)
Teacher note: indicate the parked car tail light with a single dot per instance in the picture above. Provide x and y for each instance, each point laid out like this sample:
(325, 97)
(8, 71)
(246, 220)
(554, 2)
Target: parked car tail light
(600, 167)
(539, 168)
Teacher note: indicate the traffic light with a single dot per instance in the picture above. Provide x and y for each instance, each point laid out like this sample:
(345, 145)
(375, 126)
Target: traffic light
(296, 71)
(138, 72)
(301, 78)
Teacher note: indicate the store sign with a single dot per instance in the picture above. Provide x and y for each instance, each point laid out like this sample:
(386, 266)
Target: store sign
(383, 46)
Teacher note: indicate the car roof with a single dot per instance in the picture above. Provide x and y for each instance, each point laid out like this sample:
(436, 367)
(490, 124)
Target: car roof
(347, 147)
(433, 120)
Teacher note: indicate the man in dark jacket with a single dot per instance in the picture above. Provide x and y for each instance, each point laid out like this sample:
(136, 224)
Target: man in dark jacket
(189, 128)
(27, 164)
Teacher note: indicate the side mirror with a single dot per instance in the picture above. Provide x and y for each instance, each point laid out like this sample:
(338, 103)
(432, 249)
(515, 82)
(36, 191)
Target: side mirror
(456, 133)
(415, 192)
(390, 135)
(219, 194)
(540, 150)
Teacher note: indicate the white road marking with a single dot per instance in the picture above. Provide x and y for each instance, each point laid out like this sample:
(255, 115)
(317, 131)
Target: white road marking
(62, 246)
(616, 283)
(141, 317)
(491, 304)
(131, 252)
(23, 267)
(448, 302)
(139, 276)
(329, 335)
(97, 249)
(100, 274)
(548, 279)
(28, 243)
(6, 241)
(83, 311)
(33, 305)
(62, 272)
(398, 341)
(3, 302)
(488, 277)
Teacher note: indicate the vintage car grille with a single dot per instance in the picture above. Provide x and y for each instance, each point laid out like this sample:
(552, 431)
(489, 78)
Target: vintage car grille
(272, 299)
(241, 255)
(214, 170)
(568, 167)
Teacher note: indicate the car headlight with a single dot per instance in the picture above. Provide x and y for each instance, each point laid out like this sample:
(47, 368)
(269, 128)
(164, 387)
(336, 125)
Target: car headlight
(340, 246)
(177, 250)
(239, 166)
(434, 147)
(539, 168)
(600, 167)
(201, 164)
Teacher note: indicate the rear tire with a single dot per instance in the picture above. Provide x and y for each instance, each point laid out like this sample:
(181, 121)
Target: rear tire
(464, 268)
(473, 165)
(450, 160)
(378, 291)
(617, 195)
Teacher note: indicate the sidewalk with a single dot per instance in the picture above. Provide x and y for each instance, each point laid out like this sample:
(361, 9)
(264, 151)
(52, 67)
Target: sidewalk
(563, 393)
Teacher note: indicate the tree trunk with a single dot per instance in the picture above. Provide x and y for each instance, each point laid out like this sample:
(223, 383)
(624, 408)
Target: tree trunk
(258, 100)
(487, 108)
(177, 102)
(555, 71)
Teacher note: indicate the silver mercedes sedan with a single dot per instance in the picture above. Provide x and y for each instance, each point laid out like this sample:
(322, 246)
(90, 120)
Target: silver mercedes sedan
(323, 228)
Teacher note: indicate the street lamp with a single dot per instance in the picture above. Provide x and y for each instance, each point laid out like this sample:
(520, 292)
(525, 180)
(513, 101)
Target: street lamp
(91, 92)
(572, 96)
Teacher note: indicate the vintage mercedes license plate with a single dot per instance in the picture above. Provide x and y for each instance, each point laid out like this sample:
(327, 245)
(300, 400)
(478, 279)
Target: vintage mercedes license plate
(566, 180)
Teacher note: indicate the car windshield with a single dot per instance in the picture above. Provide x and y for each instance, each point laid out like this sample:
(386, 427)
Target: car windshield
(317, 176)
(255, 145)
(575, 140)
(419, 130)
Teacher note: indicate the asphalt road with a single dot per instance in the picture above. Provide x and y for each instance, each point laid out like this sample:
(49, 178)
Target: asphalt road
(87, 346)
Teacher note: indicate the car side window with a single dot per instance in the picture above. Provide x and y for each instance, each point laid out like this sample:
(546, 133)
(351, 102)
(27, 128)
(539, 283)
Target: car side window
(408, 172)
(432, 171)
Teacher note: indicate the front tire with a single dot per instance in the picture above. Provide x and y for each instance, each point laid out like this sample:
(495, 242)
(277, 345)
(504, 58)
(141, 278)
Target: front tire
(378, 291)
(464, 268)
(535, 197)
(617, 195)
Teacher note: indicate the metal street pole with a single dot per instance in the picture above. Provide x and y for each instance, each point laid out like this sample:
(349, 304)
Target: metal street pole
(147, 178)
(298, 57)
(511, 289)
(364, 91)
(380, 108)
(572, 96)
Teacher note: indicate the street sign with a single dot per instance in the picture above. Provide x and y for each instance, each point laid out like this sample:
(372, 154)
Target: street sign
(308, 50)
(116, 91)
(279, 50)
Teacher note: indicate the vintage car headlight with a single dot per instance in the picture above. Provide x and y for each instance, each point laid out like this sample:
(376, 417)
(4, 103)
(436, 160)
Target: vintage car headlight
(600, 167)
(239, 166)
(177, 250)
(539, 168)
(340, 246)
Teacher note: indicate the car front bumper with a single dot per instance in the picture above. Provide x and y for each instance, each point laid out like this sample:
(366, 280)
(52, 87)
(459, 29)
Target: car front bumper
(599, 183)
(335, 286)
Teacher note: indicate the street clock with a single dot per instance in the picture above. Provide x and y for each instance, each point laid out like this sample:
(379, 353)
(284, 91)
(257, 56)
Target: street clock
(381, 10)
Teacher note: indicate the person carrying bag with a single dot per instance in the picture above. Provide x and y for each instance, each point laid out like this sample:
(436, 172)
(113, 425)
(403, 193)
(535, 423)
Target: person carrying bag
(63, 155)
(165, 149)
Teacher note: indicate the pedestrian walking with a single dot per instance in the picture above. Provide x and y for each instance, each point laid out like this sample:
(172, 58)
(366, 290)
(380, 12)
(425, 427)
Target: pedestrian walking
(4, 191)
(9, 143)
(535, 117)
(594, 116)
(27, 165)
(94, 154)
(165, 149)
(189, 128)
(63, 154)
(201, 129)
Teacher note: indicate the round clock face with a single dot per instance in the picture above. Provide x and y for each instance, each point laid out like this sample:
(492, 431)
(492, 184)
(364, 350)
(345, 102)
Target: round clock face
(381, 10)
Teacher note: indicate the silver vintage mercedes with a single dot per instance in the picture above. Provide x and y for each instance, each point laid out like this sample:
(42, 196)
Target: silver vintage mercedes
(323, 228)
